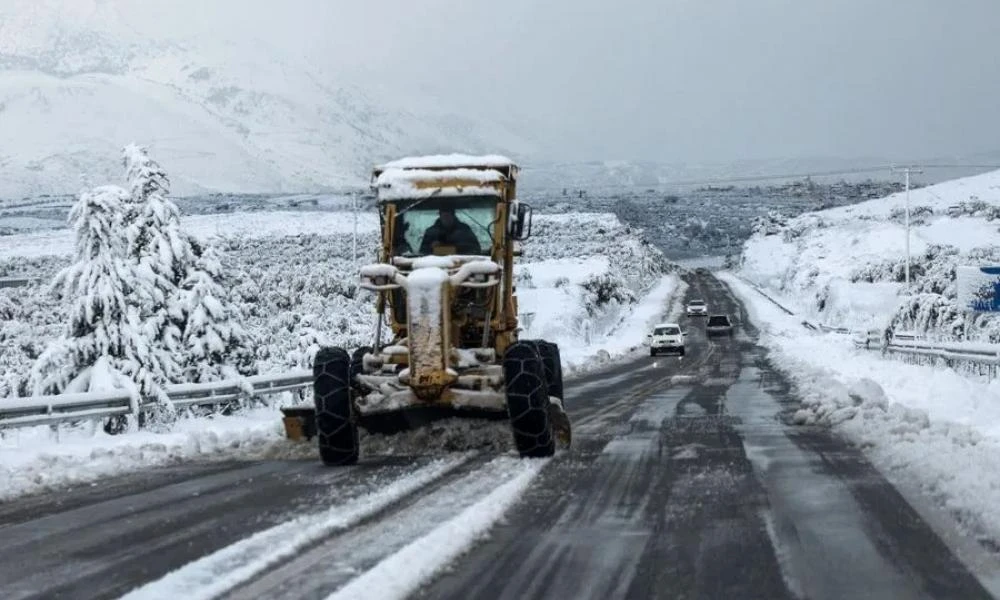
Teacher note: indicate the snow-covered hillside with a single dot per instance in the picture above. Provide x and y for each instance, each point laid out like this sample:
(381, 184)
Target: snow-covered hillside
(845, 266)
(79, 79)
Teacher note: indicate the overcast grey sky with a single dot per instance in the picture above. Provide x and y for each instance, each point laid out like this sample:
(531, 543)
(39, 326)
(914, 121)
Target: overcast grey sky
(676, 80)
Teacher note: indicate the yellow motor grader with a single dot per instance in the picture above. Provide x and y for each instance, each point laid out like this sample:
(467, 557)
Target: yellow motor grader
(444, 285)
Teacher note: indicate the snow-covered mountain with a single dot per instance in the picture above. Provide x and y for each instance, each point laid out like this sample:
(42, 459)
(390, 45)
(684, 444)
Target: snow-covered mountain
(81, 78)
(616, 174)
(845, 266)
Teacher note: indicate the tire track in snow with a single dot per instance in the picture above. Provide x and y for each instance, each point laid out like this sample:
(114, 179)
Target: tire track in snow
(420, 537)
(403, 572)
(221, 571)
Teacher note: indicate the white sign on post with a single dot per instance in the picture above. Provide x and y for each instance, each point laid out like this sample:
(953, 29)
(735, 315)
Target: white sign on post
(978, 288)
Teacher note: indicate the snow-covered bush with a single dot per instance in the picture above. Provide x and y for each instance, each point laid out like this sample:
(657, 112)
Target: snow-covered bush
(604, 289)
(802, 225)
(930, 313)
(976, 208)
(930, 267)
(770, 224)
(523, 279)
(919, 215)
(8, 310)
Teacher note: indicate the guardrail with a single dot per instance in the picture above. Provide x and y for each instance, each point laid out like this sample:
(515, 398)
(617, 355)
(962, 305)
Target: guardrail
(807, 324)
(14, 282)
(52, 410)
(972, 357)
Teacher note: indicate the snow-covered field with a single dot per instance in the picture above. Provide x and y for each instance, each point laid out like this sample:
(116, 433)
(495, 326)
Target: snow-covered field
(845, 266)
(926, 428)
(590, 283)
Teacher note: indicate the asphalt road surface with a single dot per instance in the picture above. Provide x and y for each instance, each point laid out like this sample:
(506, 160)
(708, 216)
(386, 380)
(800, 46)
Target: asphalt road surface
(684, 482)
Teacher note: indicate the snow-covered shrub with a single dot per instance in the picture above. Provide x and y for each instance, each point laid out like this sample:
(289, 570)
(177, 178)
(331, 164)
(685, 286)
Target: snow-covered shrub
(8, 310)
(933, 262)
(800, 226)
(770, 224)
(930, 313)
(523, 278)
(976, 208)
(918, 214)
(603, 289)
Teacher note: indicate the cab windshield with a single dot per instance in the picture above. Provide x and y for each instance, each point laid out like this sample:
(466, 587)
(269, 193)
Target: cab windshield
(667, 331)
(466, 223)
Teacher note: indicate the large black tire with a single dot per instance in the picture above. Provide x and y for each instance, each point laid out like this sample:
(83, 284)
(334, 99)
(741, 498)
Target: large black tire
(552, 363)
(336, 431)
(528, 400)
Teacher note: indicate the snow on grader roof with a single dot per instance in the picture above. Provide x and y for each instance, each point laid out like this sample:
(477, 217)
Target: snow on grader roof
(476, 176)
(448, 161)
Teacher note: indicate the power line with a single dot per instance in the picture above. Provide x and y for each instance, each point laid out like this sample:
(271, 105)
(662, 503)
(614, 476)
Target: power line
(850, 171)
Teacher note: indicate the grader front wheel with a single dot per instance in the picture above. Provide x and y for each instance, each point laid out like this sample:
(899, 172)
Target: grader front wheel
(335, 428)
(528, 400)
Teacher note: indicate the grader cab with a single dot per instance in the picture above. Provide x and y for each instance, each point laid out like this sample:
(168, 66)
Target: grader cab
(444, 288)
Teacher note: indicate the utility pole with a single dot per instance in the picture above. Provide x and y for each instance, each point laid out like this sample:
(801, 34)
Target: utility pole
(354, 238)
(906, 266)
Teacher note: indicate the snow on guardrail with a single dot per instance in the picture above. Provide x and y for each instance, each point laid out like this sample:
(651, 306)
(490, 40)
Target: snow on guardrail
(911, 346)
(50, 410)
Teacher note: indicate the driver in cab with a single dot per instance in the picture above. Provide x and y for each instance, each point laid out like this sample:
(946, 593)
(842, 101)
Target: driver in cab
(447, 230)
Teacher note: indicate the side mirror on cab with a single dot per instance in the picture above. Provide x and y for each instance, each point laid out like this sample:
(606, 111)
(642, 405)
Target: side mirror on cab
(521, 224)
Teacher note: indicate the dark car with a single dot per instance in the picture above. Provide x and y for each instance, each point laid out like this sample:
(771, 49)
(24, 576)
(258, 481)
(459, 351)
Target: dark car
(719, 325)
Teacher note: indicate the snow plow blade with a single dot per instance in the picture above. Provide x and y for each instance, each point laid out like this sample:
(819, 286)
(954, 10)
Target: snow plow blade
(300, 421)
(415, 417)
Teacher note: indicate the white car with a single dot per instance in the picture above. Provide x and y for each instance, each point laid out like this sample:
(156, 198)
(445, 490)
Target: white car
(697, 308)
(666, 337)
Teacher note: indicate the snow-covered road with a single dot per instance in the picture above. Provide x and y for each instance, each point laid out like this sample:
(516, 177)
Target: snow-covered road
(684, 481)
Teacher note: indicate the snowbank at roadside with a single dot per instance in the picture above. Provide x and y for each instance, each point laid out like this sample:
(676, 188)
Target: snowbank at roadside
(38, 459)
(924, 425)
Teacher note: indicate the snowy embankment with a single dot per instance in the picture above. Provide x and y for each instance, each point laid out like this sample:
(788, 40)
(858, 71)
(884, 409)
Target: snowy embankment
(845, 266)
(36, 459)
(923, 427)
(594, 287)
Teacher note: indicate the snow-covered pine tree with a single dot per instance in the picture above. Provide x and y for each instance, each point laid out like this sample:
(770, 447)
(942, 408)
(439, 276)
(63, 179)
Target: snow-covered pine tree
(161, 251)
(103, 345)
(215, 344)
